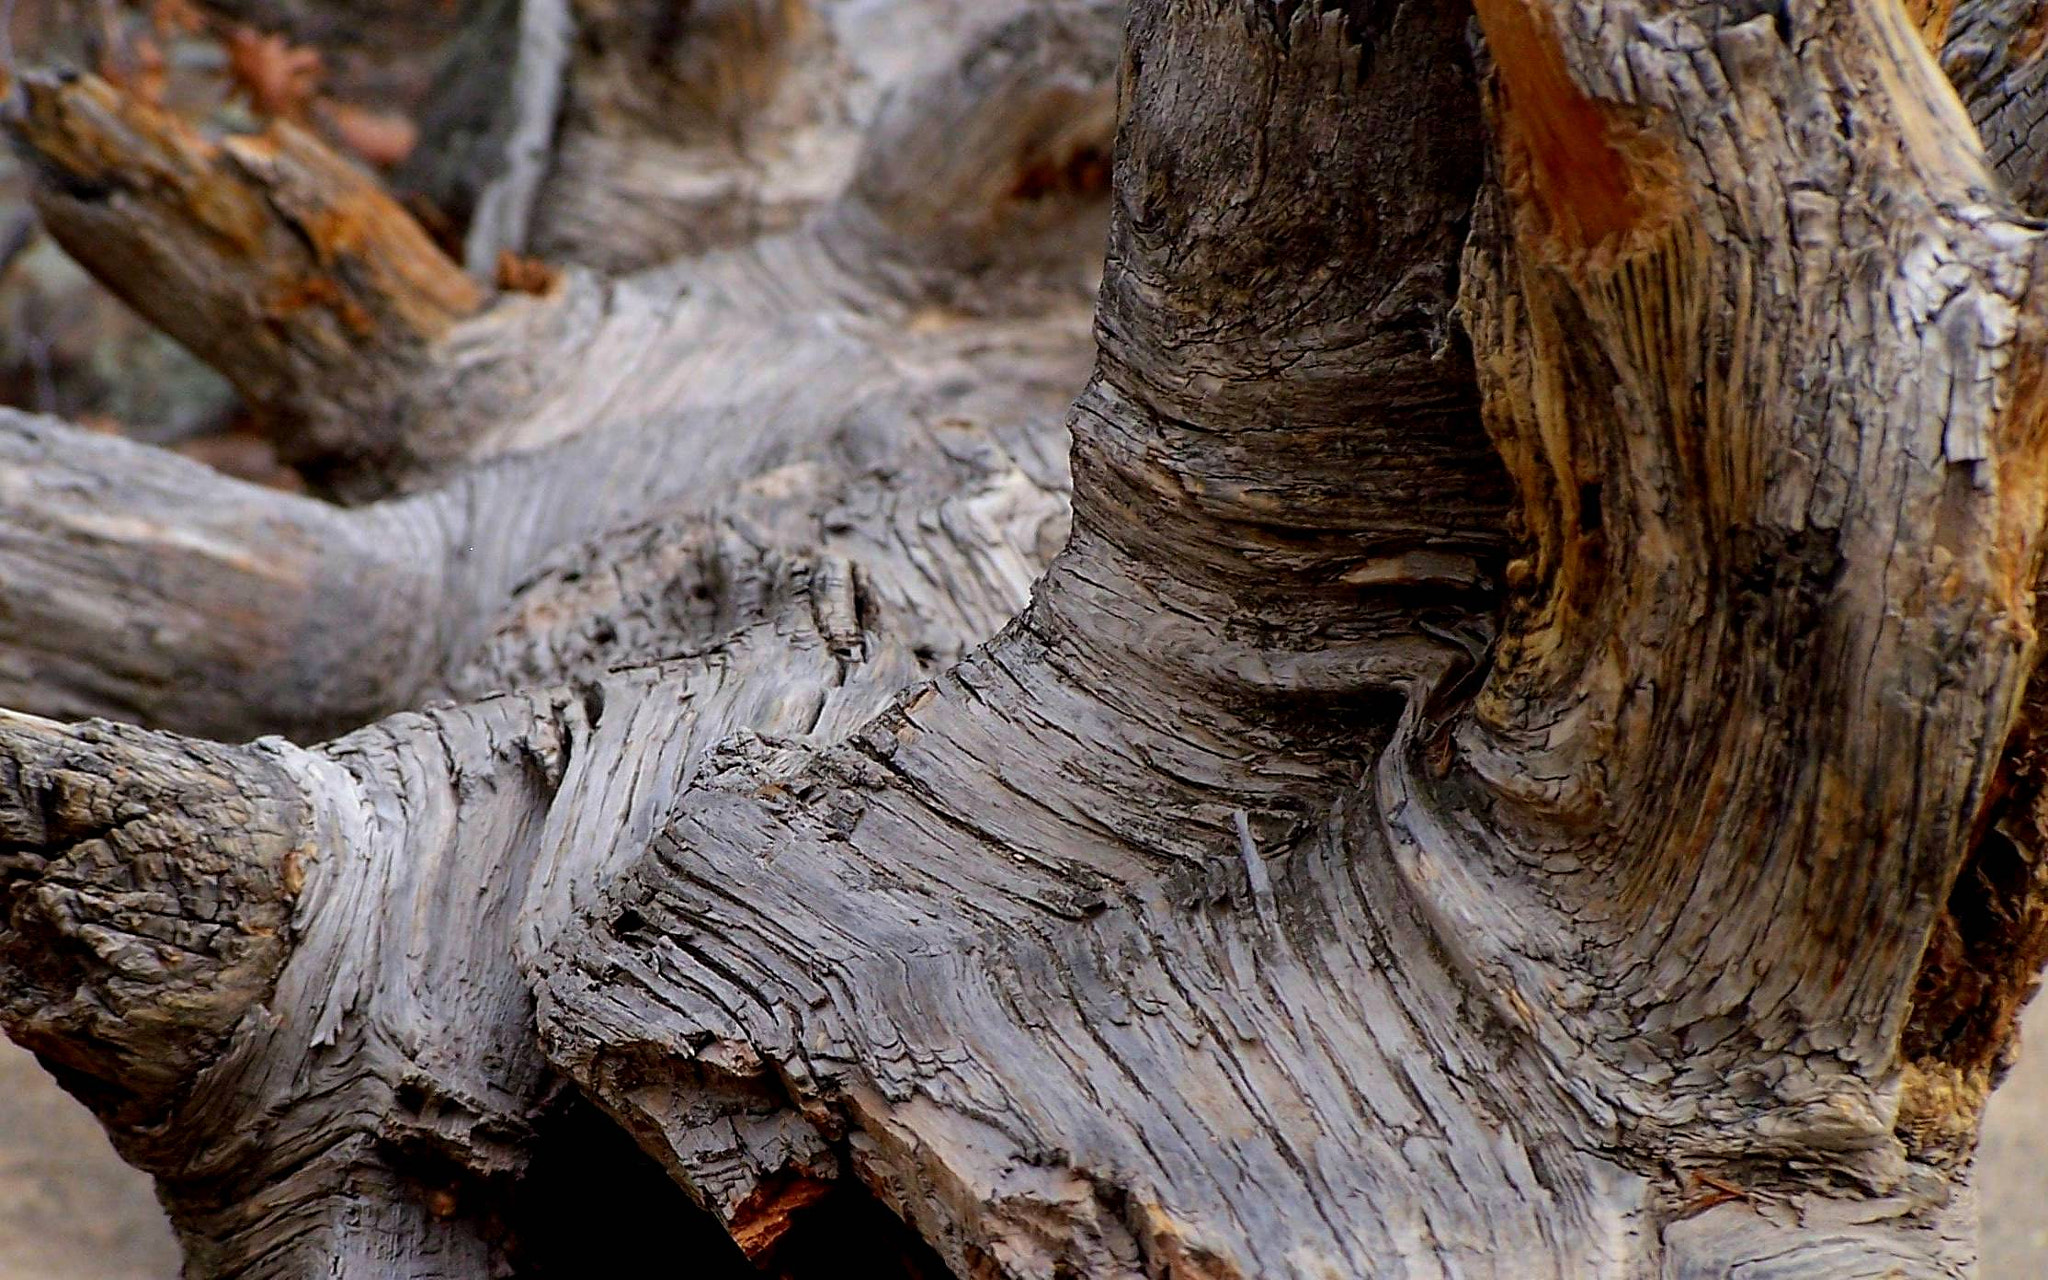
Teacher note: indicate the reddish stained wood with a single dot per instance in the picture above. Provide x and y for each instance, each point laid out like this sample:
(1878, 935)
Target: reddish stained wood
(1587, 185)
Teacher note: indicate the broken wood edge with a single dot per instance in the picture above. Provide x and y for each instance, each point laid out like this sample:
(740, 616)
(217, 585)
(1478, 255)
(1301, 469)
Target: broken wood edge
(281, 264)
(149, 885)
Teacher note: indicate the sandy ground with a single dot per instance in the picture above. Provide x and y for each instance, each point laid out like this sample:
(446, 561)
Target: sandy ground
(70, 1210)
(2012, 1171)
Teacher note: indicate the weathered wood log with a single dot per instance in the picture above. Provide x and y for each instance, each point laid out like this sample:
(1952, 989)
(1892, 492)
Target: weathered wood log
(817, 349)
(1718, 999)
(442, 844)
(1518, 759)
(273, 259)
(289, 270)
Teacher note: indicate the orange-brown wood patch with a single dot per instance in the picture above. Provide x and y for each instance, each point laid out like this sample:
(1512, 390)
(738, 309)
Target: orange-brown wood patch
(1585, 165)
(1932, 18)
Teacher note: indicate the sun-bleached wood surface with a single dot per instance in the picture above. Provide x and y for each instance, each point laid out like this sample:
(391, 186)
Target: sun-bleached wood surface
(1478, 720)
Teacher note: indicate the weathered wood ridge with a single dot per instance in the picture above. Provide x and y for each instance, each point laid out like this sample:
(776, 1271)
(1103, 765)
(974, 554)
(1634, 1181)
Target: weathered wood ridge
(1491, 731)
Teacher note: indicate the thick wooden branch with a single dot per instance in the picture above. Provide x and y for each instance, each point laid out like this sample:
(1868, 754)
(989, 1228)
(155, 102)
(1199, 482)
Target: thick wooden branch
(146, 890)
(1081, 956)
(167, 904)
(278, 262)
(1986, 950)
(137, 585)
(1285, 430)
(245, 611)
(1984, 957)
(644, 398)
(298, 277)
(690, 130)
(386, 1118)
(1773, 415)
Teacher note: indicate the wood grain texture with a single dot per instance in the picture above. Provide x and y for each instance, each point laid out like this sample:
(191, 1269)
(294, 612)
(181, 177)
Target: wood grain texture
(759, 535)
(1856, 549)
(549, 421)
(1493, 771)
(1004, 947)
(148, 886)
(1022, 1024)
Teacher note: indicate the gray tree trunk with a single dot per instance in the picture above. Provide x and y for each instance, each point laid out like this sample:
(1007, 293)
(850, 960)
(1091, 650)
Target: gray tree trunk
(1478, 722)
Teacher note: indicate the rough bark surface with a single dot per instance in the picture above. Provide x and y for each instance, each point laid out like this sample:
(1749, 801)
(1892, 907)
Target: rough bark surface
(1493, 738)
